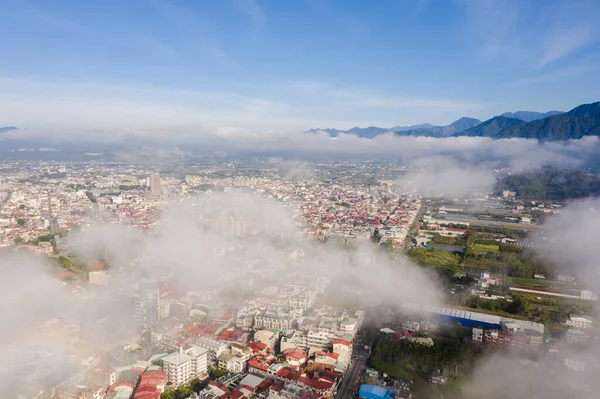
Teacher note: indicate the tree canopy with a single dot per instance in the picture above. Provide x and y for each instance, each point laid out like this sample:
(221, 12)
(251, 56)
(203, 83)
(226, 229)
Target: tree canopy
(551, 183)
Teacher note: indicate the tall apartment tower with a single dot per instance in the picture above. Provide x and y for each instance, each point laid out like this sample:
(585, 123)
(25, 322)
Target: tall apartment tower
(146, 305)
(155, 184)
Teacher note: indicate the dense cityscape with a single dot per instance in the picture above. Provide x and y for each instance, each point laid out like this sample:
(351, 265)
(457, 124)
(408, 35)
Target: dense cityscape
(309, 199)
(292, 326)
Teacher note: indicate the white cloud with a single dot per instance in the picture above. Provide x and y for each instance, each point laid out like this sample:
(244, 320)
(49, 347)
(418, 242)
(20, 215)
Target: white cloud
(573, 251)
(445, 176)
(254, 11)
(562, 42)
(365, 99)
(490, 24)
(29, 103)
(556, 75)
(574, 248)
(524, 35)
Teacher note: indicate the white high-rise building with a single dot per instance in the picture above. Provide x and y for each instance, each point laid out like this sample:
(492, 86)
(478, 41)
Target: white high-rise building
(146, 305)
(215, 348)
(183, 366)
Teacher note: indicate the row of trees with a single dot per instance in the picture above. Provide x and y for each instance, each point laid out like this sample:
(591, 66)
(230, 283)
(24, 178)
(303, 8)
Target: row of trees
(448, 240)
(447, 264)
(499, 262)
(447, 351)
(515, 261)
(550, 183)
(185, 391)
(519, 305)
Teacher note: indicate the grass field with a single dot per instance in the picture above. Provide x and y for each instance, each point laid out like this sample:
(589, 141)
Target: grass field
(486, 247)
(392, 370)
(533, 283)
(434, 257)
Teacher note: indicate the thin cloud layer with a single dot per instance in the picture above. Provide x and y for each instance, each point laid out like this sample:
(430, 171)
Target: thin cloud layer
(570, 241)
(47, 328)
(519, 154)
(74, 106)
(228, 245)
(209, 242)
(444, 176)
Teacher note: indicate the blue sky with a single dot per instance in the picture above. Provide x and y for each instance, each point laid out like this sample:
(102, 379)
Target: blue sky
(272, 64)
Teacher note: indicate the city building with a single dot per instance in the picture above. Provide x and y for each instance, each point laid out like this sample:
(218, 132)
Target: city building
(343, 349)
(155, 184)
(215, 348)
(183, 366)
(146, 301)
(375, 392)
(98, 277)
(579, 321)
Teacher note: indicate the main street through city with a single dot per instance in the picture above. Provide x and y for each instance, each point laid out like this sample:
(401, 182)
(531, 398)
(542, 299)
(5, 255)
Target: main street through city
(360, 354)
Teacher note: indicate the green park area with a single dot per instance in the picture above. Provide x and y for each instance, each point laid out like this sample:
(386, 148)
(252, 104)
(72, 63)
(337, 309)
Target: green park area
(481, 254)
(392, 370)
(484, 248)
(444, 262)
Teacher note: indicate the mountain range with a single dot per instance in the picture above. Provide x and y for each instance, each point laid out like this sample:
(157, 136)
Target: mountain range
(530, 116)
(424, 129)
(491, 127)
(456, 127)
(578, 122)
(581, 121)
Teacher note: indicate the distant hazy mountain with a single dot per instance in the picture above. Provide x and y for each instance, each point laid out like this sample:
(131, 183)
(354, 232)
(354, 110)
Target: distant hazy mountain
(580, 121)
(442, 131)
(463, 124)
(7, 129)
(413, 127)
(331, 132)
(368, 132)
(424, 129)
(529, 116)
(491, 127)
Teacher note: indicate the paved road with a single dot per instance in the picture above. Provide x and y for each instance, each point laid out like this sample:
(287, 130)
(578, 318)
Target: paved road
(360, 355)
(349, 381)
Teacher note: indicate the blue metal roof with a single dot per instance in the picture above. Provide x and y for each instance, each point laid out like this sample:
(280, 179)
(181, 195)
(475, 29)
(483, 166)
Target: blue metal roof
(374, 392)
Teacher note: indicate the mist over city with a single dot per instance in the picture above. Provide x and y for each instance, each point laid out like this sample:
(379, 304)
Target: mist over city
(313, 199)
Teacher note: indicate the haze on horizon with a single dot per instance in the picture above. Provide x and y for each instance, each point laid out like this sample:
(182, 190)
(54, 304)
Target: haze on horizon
(127, 67)
(251, 76)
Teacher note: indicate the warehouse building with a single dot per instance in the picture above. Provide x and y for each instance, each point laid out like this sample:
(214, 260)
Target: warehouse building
(473, 319)
(375, 392)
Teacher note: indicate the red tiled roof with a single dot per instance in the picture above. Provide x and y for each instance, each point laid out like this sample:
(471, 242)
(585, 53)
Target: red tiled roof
(285, 373)
(120, 384)
(257, 346)
(146, 393)
(231, 335)
(237, 394)
(277, 387)
(256, 363)
(342, 342)
(263, 386)
(295, 355)
(329, 375)
(98, 266)
(64, 275)
(248, 387)
(316, 383)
